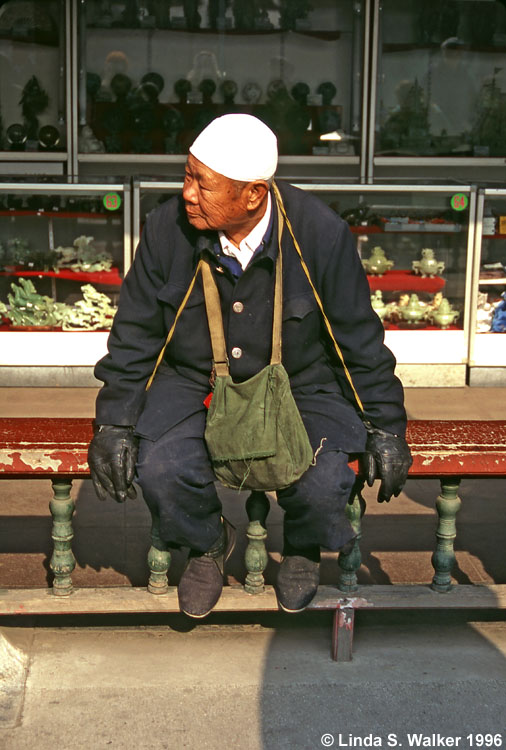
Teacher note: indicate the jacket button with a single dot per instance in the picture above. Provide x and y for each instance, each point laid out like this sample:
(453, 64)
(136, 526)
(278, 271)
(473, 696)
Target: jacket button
(236, 352)
(238, 307)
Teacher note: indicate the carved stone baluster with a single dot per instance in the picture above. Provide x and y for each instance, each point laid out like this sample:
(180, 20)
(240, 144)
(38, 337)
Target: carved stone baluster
(443, 559)
(350, 561)
(159, 559)
(257, 508)
(62, 561)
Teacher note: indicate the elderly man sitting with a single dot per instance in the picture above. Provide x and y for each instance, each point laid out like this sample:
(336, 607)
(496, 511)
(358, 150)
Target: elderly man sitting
(354, 405)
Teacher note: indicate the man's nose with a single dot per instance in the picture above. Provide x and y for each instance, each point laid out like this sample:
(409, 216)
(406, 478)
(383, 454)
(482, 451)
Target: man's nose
(189, 192)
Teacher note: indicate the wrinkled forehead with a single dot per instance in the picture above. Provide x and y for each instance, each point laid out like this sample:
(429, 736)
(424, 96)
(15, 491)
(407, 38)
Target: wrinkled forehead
(202, 172)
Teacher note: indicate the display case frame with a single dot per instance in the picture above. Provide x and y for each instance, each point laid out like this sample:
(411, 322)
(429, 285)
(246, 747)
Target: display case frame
(351, 167)
(382, 168)
(424, 357)
(487, 350)
(63, 349)
(56, 163)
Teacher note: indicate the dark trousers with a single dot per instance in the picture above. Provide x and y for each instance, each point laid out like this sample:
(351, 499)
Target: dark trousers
(178, 484)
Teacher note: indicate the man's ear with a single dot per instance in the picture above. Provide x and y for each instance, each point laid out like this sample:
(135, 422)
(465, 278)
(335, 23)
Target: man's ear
(257, 192)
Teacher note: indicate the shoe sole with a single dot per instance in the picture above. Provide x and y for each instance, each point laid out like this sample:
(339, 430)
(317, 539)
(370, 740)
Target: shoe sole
(197, 617)
(291, 611)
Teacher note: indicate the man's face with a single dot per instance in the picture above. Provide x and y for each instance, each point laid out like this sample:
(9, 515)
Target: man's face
(212, 201)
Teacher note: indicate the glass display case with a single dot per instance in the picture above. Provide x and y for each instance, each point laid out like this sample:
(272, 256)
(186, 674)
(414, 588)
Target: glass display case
(488, 301)
(64, 249)
(151, 75)
(439, 82)
(34, 83)
(416, 245)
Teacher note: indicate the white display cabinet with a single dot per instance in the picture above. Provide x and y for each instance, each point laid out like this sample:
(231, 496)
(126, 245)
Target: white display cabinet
(403, 220)
(438, 88)
(487, 356)
(64, 249)
(35, 87)
(151, 75)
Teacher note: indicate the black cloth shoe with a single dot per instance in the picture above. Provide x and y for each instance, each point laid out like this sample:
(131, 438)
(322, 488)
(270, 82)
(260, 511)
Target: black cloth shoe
(201, 584)
(298, 578)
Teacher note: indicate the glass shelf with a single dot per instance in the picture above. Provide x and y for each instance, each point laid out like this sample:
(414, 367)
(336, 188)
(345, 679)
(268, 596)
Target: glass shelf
(488, 319)
(149, 83)
(35, 80)
(64, 249)
(440, 88)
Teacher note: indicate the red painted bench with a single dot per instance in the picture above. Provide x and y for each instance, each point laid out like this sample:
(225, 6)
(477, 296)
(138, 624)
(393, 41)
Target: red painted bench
(56, 449)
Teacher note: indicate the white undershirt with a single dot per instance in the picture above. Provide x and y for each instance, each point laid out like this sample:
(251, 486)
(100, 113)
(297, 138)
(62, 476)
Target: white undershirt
(249, 244)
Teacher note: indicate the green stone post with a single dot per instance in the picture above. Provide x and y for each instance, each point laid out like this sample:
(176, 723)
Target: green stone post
(443, 559)
(159, 559)
(62, 561)
(350, 562)
(255, 558)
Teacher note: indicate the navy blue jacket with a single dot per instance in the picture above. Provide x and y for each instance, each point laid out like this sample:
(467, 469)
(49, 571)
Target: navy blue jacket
(155, 286)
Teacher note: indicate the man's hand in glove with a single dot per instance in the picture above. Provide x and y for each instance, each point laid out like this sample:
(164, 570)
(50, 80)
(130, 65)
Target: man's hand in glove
(111, 457)
(386, 457)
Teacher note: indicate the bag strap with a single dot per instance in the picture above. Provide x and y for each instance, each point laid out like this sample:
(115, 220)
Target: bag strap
(281, 208)
(171, 332)
(215, 319)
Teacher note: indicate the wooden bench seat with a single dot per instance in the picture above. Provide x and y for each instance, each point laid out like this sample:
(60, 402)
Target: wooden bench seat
(450, 450)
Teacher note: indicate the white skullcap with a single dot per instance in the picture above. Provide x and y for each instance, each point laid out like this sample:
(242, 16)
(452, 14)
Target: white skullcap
(238, 146)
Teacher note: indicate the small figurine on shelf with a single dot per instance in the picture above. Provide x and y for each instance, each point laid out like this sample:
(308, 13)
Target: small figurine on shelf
(262, 21)
(83, 256)
(300, 92)
(484, 313)
(16, 136)
(244, 14)
(92, 313)
(499, 318)
(191, 14)
(216, 17)
(251, 92)
(327, 90)
(378, 305)
(359, 216)
(154, 80)
(88, 143)
(378, 263)
(207, 88)
(29, 309)
(443, 315)
(428, 265)
(182, 88)
(293, 14)
(34, 101)
(435, 302)
(116, 63)
(49, 137)
(228, 90)
(414, 312)
(16, 253)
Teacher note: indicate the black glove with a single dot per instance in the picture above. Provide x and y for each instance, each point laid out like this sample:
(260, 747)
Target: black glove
(111, 457)
(386, 457)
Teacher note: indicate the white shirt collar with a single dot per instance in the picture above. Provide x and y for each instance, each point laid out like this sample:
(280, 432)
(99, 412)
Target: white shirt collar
(249, 244)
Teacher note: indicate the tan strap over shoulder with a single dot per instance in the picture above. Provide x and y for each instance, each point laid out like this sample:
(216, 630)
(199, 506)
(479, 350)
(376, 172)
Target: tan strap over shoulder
(281, 207)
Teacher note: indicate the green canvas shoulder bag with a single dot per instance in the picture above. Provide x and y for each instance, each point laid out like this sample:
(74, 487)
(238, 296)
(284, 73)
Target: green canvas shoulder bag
(254, 432)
